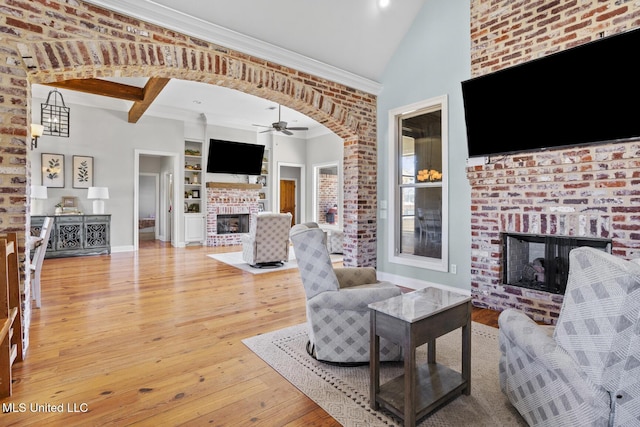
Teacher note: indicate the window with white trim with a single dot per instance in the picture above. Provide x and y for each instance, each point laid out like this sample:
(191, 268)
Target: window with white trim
(418, 191)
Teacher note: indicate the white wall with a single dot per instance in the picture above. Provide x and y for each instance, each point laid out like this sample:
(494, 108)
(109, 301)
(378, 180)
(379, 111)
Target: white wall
(431, 60)
(111, 140)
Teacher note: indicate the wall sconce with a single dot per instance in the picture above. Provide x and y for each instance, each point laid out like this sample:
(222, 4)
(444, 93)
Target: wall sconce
(38, 193)
(36, 132)
(99, 195)
(54, 115)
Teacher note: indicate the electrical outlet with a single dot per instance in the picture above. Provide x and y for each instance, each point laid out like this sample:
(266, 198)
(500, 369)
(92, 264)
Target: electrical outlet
(454, 269)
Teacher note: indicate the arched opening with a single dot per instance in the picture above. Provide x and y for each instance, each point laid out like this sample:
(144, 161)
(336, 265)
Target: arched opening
(96, 49)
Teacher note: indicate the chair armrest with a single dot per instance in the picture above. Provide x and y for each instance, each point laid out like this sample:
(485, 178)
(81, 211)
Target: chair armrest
(355, 299)
(538, 344)
(524, 341)
(523, 332)
(355, 276)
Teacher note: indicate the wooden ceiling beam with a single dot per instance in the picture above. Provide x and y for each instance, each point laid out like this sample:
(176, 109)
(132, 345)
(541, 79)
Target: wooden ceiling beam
(103, 88)
(151, 90)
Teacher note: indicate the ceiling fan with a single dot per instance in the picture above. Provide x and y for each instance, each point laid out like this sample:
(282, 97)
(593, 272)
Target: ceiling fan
(280, 126)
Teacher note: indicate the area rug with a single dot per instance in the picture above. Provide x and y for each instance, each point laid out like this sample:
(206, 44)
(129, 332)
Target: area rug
(234, 259)
(344, 391)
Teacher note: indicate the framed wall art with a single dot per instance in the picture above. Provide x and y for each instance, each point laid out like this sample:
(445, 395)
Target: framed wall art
(52, 170)
(82, 171)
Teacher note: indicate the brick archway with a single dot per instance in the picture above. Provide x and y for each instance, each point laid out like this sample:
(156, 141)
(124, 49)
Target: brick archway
(52, 41)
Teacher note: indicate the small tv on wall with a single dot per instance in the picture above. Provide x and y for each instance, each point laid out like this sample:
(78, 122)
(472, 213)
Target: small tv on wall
(581, 95)
(234, 157)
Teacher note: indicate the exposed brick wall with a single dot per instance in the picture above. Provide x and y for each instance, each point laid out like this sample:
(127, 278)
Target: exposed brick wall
(44, 41)
(583, 191)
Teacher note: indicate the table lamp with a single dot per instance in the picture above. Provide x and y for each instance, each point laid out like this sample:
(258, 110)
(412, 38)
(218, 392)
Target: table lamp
(38, 193)
(99, 195)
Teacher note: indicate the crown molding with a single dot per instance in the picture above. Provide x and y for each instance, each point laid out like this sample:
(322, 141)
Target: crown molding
(163, 16)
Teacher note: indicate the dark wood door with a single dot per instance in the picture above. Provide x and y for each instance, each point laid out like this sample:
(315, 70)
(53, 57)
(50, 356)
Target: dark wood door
(288, 198)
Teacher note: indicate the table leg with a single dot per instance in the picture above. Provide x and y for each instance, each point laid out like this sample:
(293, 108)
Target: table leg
(374, 363)
(409, 382)
(466, 353)
(431, 351)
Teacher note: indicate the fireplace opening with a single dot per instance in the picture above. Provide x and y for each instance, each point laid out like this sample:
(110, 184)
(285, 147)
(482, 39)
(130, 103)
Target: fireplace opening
(541, 262)
(232, 223)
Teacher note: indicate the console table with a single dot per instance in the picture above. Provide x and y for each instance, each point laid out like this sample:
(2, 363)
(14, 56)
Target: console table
(76, 235)
(411, 320)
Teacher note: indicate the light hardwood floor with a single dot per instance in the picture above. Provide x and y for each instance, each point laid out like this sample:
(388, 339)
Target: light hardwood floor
(154, 338)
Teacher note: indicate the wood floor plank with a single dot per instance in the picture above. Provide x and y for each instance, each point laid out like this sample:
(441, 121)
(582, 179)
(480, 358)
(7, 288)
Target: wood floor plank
(154, 338)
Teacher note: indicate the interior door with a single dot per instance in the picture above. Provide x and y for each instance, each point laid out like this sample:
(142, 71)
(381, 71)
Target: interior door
(288, 198)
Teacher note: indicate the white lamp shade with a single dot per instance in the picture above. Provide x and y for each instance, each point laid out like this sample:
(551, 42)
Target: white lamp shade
(101, 193)
(38, 192)
(36, 130)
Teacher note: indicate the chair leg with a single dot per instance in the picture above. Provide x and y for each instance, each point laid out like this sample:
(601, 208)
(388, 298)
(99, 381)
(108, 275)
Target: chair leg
(35, 289)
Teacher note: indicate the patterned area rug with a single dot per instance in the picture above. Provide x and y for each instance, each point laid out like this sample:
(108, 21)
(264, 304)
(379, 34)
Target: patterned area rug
(234, 259)
(344, 392)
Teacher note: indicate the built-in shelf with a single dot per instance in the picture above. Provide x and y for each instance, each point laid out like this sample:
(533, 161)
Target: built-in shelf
(194, 192)
(264, 201)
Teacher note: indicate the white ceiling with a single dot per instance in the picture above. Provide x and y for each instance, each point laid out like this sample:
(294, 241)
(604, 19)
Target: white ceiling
(353, 35)
(349, 41)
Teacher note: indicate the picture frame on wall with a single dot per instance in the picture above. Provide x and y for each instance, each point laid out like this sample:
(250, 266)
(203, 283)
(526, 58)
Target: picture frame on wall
(195, 194)
(52, 170)
(82, 171)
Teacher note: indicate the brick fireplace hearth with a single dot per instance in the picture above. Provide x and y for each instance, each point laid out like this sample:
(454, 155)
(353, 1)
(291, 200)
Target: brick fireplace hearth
(588, 192)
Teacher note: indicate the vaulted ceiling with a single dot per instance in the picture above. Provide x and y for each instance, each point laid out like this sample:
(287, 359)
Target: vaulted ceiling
(347, 41)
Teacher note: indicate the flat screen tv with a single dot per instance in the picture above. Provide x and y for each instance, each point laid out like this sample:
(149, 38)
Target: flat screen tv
(582, 95)
(234, 157)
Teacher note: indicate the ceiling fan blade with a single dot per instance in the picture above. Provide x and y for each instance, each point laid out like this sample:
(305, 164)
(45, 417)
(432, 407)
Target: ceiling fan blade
(267, 130)
(286, 132)
(298, 128)
(262, 126)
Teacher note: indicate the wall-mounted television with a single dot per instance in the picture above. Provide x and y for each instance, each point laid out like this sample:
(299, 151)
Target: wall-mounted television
(234, 157)
(581, 95)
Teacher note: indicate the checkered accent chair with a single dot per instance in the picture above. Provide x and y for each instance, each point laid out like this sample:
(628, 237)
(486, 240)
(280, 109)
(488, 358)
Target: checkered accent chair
(586, 371)
(337, 302)
(268, 239)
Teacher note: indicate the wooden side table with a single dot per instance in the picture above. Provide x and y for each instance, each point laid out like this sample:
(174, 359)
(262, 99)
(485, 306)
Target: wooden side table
(413, 319)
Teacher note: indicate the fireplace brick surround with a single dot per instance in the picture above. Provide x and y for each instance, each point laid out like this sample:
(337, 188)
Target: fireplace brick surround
(226, 198)
(588, 191)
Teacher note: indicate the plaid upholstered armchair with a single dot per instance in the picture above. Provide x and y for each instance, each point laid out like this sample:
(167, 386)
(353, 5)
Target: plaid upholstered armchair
(337, 302)
(586, 372)
(267, 243)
